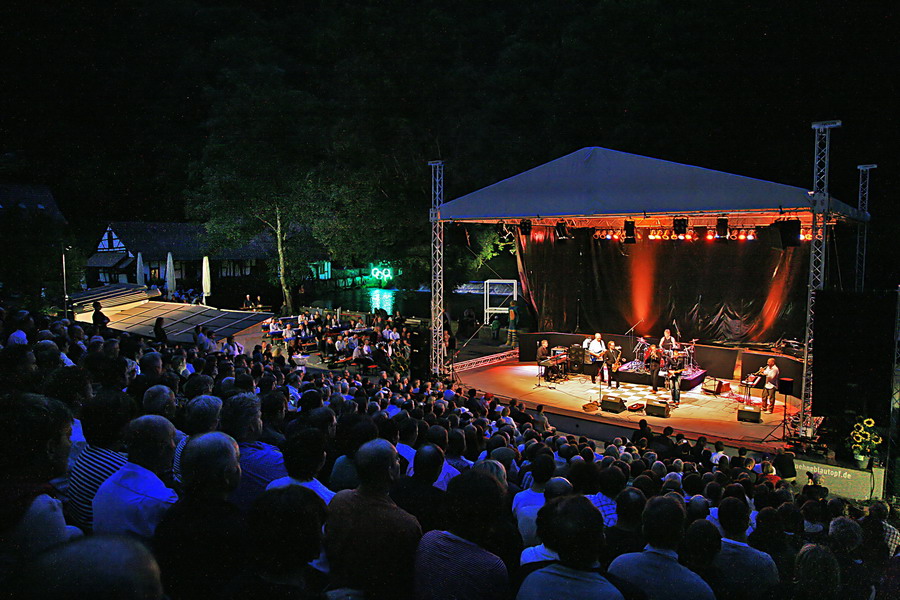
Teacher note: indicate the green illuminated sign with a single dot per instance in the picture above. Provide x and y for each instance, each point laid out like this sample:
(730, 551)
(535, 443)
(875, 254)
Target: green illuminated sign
(382, 273)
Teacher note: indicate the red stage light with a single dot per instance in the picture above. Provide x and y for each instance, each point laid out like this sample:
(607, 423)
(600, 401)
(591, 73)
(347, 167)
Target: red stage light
(709, 235)
(742, 235)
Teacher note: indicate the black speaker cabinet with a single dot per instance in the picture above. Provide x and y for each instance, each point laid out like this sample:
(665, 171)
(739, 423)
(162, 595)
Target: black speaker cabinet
(749, 414)
(576, 353)
(786, 386)
(658, 409)
(612, 404)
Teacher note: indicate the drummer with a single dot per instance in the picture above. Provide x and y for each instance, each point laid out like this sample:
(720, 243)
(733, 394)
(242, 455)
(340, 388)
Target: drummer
(667, 342)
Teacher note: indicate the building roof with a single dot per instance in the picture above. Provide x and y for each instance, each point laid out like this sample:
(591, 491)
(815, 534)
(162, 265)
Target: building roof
(36, 198)
(179, 320)
(597, 181)
(185, 241)
(106, 260)
(115, 294)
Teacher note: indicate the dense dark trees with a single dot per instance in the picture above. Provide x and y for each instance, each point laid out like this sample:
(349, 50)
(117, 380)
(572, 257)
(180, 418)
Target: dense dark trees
(159, 110)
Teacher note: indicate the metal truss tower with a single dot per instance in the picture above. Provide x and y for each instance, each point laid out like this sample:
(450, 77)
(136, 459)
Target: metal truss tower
(893, 436)
(862, 230)
(821, 204)
(438, 357)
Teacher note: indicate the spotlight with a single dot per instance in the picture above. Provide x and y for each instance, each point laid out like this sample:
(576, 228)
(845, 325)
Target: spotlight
(525, 226)
(597, 234)
(751, 234)
(562, 231)
(665, 235)
(630, 236)
(680, 226)
(608, 234)
(651, 235)
(689, 236)
(618, 235)
(742, 234)
(710, 235)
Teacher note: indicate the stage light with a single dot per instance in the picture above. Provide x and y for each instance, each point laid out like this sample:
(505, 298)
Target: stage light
(680, 225)
(742, 234)
(630, 233)
(680, 236)
(722, 229)
(751, 234)
(665, 235)
(597, 234)
(525, 226)
(732, 234)
(710, 236)
(562, 231)
(652, 235)
(608, 233)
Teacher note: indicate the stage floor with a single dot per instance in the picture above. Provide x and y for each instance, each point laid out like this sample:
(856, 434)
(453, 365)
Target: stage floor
(698, 414)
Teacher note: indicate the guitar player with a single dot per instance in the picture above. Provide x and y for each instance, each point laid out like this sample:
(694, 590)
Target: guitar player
(613, 360)
(593, 356)
(676, 368)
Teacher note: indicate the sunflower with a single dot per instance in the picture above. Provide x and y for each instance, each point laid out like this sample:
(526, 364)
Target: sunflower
(866, 436)
(858, 427)
(876, 440)
(869, 422)
(856, 438)
(856, 447)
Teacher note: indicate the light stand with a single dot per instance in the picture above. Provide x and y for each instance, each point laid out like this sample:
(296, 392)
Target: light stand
(65, 283)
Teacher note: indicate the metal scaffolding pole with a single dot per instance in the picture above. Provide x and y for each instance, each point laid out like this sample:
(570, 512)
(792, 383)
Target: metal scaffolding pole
(862, 229)
(437, 267)
(893, 436)
(820, 205)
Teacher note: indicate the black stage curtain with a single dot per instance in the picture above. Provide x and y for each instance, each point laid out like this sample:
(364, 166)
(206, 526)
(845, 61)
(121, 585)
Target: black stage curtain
(740, 291)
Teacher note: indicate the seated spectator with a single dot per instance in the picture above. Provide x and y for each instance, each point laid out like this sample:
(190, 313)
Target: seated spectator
(574, 529)
(542, 469)
(475, 500)
(535, 550)
(103, 419)
(201, 415)
(201, 541)
(34, 449)
(611, 481)
(817, 575)
(96, 567)
(770, 537)
(626, 536)
(382, 567)
(261, 464)
(745, 571)
(133, 500)
(274, 407)
(701, 545)
(304, 456)
(845, 537)
(286, 524)
(663, 520)
(417, 493)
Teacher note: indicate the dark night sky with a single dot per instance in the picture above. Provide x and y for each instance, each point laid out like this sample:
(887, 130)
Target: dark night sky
(109, 108)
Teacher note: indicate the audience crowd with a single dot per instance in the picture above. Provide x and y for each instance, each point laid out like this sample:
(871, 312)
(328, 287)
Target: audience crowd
(141, 469)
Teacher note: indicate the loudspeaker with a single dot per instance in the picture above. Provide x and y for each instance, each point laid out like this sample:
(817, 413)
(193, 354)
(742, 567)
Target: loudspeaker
(658, 409)
(786, 386)
(576, 353)
(612, 404)
(711, 385)
(749, 414)
(789, 231)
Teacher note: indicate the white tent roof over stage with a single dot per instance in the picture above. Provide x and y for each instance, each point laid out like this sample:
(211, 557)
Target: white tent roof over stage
(598, 181)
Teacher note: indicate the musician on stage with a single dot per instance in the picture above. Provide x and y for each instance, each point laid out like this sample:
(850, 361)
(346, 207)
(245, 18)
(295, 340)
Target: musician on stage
(676, 368)
(613, 359)
(772, 372)
(593, 355)
(667, 342)
(653, 358)
(543, 353)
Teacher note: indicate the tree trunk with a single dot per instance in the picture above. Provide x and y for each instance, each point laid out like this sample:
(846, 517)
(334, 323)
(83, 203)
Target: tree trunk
(282, 275)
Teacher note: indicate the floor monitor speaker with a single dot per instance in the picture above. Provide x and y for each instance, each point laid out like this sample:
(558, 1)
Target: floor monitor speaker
(612, 404)
(658, 409)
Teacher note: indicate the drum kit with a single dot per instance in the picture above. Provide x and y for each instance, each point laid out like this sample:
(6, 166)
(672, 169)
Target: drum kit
(642, 354)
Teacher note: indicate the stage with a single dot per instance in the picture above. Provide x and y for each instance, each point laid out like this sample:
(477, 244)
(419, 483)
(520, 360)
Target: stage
(698, 414)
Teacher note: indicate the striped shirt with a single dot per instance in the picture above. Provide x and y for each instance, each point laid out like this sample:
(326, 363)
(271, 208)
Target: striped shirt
(176, 461)
(92, 467)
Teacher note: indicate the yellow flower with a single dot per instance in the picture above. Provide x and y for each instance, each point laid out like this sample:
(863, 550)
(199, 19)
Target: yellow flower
(856, 437)
(866, 436)
(858, 427)
(856, 447)
(876, 439)
(869, 422)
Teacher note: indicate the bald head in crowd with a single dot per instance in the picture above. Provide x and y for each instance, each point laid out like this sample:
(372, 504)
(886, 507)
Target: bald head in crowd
(428, 462)
(151, 443)
(378, 465)
(557, 487)
(94, 567)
